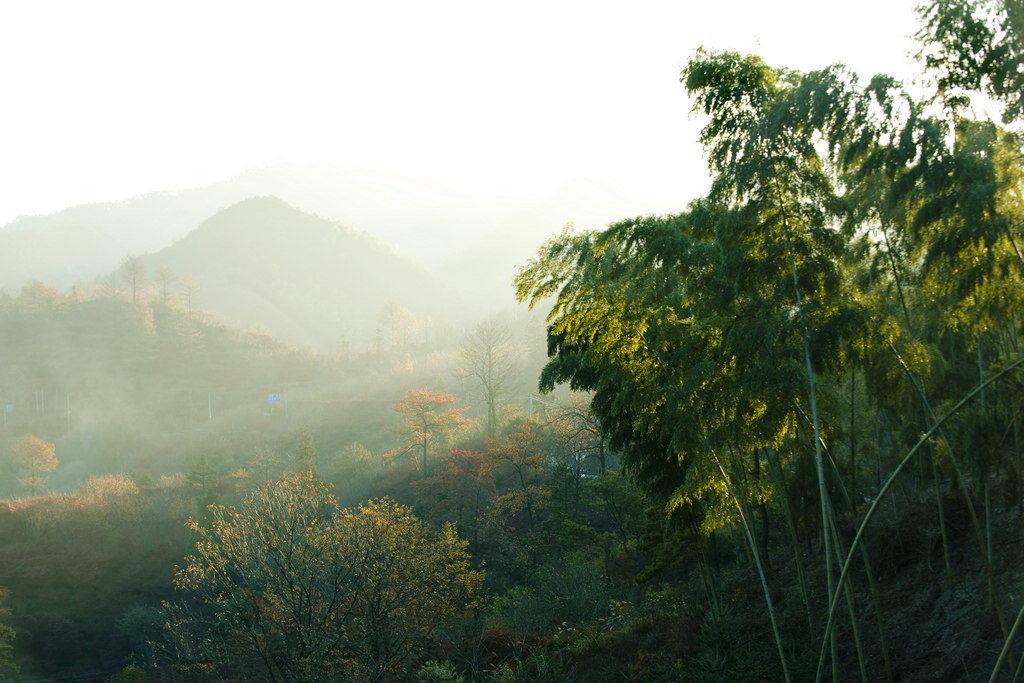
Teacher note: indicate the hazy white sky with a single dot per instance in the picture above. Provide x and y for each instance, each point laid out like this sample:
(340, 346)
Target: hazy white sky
(105, 100)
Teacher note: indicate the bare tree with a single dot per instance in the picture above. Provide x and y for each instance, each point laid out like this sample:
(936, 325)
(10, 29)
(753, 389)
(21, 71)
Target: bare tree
(399, 322)
(578, 434)
(108, 286)
(133, 272)
(190, 290)
(165, 277)
(486, 356)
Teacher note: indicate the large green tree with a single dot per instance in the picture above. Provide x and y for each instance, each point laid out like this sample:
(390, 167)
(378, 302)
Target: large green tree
(976, 46)
(312, 592)
(855, 267)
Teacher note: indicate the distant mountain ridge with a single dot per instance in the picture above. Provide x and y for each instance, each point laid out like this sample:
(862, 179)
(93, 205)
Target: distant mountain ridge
(472, 242)
(262, 264)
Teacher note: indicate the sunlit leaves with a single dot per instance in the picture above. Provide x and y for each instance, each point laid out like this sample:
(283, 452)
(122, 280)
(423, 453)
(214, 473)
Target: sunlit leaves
(38, 458)
(427, 425)
(315, 592)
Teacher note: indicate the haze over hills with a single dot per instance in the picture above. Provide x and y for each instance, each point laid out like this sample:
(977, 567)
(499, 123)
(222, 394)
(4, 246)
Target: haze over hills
(472, 242)
(264, 265)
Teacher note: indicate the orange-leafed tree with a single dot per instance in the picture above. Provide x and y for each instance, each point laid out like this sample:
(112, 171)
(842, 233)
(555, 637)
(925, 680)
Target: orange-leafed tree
(39, 296)
(38, 458)
(428, 425)
(518, 459)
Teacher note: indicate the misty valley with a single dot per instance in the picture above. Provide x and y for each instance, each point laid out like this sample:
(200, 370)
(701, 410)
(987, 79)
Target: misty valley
(308, 424)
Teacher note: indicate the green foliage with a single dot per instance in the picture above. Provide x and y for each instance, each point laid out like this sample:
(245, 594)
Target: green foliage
(305, 453)
(123, 541)
(570, 588)
(438, 672)
(971, 46)
(7, 666)
(313, 591)
(131, 673)
(460, 493)
(142, 625)
(852, 241)
(853, 238)
(354, 471)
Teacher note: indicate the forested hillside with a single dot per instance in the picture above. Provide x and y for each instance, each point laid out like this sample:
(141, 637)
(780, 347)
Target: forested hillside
(264, 265)
(458, 237)
(777, 435)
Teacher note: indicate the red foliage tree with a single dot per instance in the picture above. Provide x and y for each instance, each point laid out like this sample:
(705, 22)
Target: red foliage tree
(427, 424)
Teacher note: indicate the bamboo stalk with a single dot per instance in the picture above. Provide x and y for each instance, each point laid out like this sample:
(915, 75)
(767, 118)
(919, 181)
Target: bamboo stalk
(851, 606)
(872, 590)
(984, 546)
(757, 561)
(805, 593)
(885, 488)
(1007, 646)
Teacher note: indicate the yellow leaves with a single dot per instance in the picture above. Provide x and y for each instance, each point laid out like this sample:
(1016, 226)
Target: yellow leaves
(35, 455)
(291, 558)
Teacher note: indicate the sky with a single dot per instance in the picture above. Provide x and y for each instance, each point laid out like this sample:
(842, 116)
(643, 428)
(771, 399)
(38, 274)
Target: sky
(106, 100)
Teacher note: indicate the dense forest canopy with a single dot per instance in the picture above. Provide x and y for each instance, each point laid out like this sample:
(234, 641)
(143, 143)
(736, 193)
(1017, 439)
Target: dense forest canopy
(856, 264)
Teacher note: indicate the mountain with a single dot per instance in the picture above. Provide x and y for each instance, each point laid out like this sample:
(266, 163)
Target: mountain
(470, 241)
(264, 265)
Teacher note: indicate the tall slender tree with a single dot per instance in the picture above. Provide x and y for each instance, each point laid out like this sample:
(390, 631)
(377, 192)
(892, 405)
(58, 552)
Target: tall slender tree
(38, 458)
(427, 425)
(486, 359)
(133, 272)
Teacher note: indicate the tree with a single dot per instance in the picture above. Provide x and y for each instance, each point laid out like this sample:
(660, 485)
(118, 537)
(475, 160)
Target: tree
(165, 277)
(265, 463)
(517, 463)
(460, 492)
(486, 359)
(190, 290)
(976, 46)
(38, 457)
(427, 425)
(109, 286)
(519, 453)
(305, 452)
(269, 576)
(313, 592)
(412, 582)
(399, 322)
(356, 459)
(701, 334)
(133, 271)
(39, 296)
(578, 434)
(7, 665)
(355, 468)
